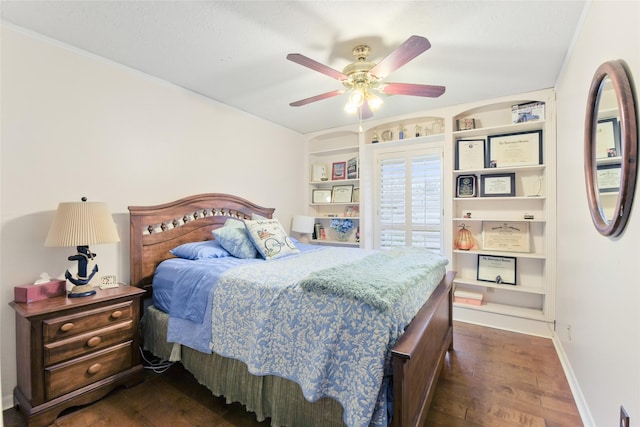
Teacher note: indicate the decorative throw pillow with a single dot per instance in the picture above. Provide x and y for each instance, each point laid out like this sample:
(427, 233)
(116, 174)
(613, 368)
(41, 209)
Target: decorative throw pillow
(270, 239)
(200, 250)
(233, 237)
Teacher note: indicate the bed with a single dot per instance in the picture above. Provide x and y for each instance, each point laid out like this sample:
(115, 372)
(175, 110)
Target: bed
(416, 358)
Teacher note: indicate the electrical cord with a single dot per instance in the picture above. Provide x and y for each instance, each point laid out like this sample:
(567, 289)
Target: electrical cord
(158, 366)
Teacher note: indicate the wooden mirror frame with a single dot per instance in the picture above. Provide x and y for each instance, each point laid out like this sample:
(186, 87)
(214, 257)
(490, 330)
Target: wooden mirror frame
(621, 80)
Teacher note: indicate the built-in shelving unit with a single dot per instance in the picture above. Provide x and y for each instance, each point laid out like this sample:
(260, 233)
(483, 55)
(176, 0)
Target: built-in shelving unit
(334, 193)
(529, 303)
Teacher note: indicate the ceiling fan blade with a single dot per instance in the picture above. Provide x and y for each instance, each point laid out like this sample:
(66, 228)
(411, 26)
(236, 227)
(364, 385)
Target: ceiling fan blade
(316, 66)
(411, 89)
(316, 98)
(365, 110)
(408, 50)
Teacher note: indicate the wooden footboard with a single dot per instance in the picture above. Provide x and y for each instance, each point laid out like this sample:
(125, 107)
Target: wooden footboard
(419, 354)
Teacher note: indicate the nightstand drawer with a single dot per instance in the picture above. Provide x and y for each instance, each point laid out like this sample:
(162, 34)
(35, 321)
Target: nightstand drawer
(61, 350)
(67, 326)
(66, 377)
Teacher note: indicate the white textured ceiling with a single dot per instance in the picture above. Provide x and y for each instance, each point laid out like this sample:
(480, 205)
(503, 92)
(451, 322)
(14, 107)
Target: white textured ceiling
(235, 51)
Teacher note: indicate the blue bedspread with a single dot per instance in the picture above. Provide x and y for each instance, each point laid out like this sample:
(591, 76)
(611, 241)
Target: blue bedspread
(330, 345)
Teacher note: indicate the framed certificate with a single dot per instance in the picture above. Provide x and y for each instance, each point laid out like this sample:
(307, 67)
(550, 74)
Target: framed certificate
(608, 177)
(497, 269)
(505, 236)
(498, 185)
(470, 154)
(466, 186)
(607, 138)
(341, 193)
(515, 149)
(321, 196)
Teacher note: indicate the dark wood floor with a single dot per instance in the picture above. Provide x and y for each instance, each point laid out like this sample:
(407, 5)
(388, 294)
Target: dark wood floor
(493, 378)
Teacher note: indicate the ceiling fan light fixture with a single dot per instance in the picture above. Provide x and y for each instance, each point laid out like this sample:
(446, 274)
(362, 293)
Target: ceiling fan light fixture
(374, 101)
(356, 99)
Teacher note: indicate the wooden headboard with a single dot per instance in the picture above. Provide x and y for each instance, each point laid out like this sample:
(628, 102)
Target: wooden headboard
(154, 230)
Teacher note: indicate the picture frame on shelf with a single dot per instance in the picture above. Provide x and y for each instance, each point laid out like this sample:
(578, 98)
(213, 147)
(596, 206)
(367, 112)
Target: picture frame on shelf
(352, 211)
(514, 149)
(338, 171)
(341, 193)
(470, 154)
(607, 138)
(352, 168)
(498, 185)
(466, 186)
(608, 177)
(465, 124)
(321, 196)
(497, 269)
(509, 236)
(319, 173)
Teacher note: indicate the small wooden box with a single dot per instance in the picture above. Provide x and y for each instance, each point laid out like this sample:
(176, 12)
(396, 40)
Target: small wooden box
(31, 293)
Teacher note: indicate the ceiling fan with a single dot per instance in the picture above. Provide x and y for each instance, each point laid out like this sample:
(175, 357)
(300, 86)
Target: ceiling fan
(362, 79)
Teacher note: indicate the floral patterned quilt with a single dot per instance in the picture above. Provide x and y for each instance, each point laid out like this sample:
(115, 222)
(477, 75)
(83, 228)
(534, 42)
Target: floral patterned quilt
(330, 345)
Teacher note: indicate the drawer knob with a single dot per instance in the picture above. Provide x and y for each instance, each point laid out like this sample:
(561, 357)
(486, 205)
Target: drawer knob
(94, 369)
(116, 314)
(66, 327)
(94, 341)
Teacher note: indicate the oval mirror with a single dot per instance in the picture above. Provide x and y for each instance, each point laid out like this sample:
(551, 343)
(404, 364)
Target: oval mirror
(610, 148)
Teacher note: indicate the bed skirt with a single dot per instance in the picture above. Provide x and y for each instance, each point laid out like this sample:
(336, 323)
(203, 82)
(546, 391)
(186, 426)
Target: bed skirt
(267, 396)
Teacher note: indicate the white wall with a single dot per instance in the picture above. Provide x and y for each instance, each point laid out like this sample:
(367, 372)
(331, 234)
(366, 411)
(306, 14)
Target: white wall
(75, 125)
(598, 278)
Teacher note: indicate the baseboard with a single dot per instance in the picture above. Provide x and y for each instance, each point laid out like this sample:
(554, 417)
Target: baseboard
(578, 397)
(7, 402)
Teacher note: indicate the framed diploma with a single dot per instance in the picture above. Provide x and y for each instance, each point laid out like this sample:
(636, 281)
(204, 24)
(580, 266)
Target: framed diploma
(515, 149)
(505, 236)
(608, 177)
(607, 138)
(498, 185)
(321, 196)
(470, 154)
(341, 193)
(466, 186)
(497, 269)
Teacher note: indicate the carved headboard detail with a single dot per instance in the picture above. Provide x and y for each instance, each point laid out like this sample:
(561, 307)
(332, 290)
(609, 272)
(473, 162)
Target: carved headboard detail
(154, 230)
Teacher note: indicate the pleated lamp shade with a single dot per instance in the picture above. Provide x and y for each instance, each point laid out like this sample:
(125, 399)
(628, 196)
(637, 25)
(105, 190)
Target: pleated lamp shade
(82, 224)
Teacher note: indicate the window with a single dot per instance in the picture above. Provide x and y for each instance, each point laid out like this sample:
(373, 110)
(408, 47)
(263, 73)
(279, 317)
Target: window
(409, 199)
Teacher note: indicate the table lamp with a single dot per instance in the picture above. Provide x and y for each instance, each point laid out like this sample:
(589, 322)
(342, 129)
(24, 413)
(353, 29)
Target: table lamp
(303, 225)
(82, 224)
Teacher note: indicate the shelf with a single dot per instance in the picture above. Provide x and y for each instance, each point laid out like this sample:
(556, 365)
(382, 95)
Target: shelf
(476, 219)
(501, 129)
(334, 242)
(335, 182)
(509, 310)
(335, 204)
(501, 253)
(486, 171)
(335, 151)
(510, 198)
(510, 288)
(353, 218)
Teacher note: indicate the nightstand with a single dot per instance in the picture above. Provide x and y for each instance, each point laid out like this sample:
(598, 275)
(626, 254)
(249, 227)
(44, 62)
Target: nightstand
(73, 351)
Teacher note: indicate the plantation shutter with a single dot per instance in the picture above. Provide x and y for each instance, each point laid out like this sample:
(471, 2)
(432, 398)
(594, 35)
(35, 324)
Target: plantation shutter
(410, 199)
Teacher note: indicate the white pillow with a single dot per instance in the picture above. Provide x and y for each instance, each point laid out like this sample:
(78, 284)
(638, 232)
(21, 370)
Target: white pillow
(270, 239)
